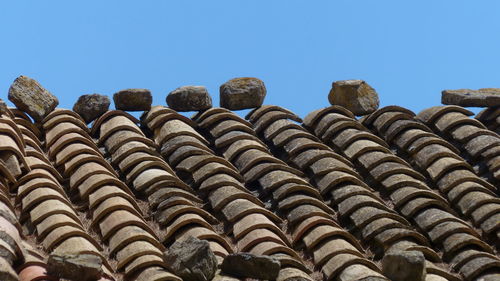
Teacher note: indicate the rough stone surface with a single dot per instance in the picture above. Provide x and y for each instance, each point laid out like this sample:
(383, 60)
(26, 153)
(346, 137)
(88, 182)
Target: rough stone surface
(3, 107)
(355, 95)
(245, 265)
(192, 260)
(487, 97)
(29, 96)
(91, 107)
(242, 93)
(77, 267)
(404, 266)
(133, 100)
(189, 98)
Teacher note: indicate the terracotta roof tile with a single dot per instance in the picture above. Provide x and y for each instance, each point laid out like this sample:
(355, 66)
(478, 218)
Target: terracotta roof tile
(332, 194)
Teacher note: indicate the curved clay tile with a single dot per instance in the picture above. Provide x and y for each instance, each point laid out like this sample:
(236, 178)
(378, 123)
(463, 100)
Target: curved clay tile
(110, 115)
(257, 236)
(129, 234)
(115, 124)
(192, 163)
(219, 180)
(71, 139)
(288, 135)
(62, 129)
(385, 120)
(8, 127)
(313, 117)
(174, 128)
(259, 111)
(62, 111)
(210, 121)
(65, 118)
(430, 114)
(134, 250)
(279, 126)
(118, 219)
(158, 120)
(337, 264)
(368, 120)
(269, 117)
(184, 146)
(221, 196)
(202, 115)
(240, 146)
(327, 121)
(247, 159)
(155, 273)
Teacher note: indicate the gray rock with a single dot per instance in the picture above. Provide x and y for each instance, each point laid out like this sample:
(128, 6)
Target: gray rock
(242, 93)
(77, 267)
(189, 98)
(355, 95)
(29, 96)
(91, 107)
(404, 266)
(133, 100)
(245, 265)
(3, 107)
(487, 97)
(192, 260)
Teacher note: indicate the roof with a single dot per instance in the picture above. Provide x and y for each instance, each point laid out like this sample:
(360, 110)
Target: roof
(328, 196)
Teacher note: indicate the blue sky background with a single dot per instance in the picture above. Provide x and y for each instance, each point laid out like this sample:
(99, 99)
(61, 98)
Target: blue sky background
(408, 52)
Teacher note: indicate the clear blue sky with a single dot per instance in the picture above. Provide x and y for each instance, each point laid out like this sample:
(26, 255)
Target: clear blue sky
(407, 52)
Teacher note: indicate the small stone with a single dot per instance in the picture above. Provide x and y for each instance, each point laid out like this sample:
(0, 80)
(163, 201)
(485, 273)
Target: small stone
(29, 96)
(189, 98)
(355, 95)
(245, 265)
(242, 93)
(3, 107)
(404, 266)
(77, 267)
(91, 107)
(487, 97)
(192, 260)
(133, 100)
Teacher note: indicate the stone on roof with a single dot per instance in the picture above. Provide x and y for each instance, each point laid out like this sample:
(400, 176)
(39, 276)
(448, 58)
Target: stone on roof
(242, 93)
(29, 96)
(189, 98)
(92, 106)
(487, 97)
(355, 95)
(133, 100)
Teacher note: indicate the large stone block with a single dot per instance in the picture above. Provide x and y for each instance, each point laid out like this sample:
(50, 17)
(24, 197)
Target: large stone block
(91, 107)
(487, 97)
(242, 93)
(355, 95)
(29, 96)
(133, 100)
(189, 98)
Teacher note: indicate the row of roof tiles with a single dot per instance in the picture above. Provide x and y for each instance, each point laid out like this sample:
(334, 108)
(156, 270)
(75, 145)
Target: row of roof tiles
(62, 171)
